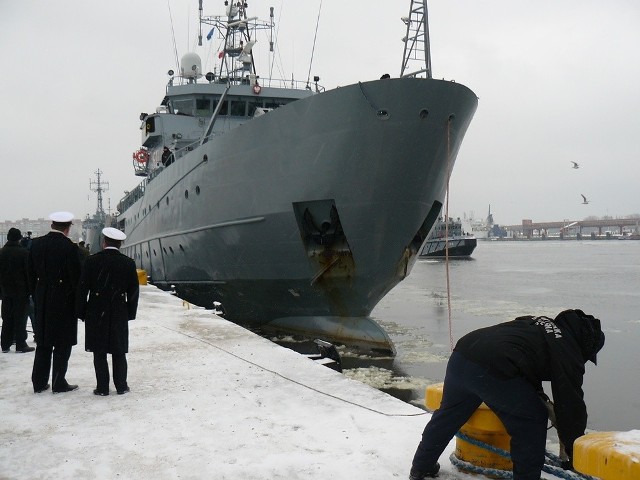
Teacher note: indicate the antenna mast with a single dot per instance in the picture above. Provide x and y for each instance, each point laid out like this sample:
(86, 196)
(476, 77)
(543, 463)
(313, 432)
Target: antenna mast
(99, 187)
(416, 41)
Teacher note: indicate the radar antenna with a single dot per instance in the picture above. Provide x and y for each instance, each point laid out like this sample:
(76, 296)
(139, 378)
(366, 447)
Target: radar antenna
(416, 41)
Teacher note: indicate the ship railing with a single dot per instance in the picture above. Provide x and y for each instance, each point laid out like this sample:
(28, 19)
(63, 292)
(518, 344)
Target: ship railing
(175, 156)
(263, 82)
(132, 197)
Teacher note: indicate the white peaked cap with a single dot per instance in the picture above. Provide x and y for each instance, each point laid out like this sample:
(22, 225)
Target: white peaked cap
(61, 217)
(113, 233)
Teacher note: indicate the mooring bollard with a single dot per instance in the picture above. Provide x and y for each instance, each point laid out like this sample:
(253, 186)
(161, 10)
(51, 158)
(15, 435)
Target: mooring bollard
(142, 276)
(483, 426)
(608, 455)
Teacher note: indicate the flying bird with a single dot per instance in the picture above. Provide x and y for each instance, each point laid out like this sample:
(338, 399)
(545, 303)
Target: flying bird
(575, 165)
(584, 200)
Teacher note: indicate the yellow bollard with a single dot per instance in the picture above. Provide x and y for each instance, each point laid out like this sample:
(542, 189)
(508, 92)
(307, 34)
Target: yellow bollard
(608, 455)
(142, 277)
(483, 426)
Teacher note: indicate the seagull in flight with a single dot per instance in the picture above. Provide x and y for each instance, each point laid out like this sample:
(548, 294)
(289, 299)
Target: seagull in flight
(575, 165)
(584, 200)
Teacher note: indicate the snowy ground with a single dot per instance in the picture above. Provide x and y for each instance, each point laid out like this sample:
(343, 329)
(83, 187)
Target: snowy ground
(208, 399)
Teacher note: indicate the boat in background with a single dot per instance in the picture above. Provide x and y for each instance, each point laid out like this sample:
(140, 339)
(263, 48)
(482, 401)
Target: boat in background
(485, 229)
(92, 225)
(448, 239)
(291, 207)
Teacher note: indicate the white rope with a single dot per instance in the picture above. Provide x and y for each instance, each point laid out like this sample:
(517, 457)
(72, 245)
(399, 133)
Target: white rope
(446, 233)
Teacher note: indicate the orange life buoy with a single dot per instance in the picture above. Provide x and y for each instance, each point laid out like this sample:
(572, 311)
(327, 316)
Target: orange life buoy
(256, 89)
(141, 156)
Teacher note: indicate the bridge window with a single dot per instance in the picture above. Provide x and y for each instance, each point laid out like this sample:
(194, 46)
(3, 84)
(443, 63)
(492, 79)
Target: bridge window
(224, 110)
(276, 102)
(252, 105)
(238, 108)
(150, 124)
(183, 107)
(203, 107)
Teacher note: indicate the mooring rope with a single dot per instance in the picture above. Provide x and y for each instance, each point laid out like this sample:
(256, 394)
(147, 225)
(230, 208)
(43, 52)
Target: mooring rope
(193, 336)
(552, 463)
(446, 231)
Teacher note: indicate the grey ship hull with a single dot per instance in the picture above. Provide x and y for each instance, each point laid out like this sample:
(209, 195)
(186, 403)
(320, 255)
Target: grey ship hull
(304, 218)
(92, 231)
(458, 247)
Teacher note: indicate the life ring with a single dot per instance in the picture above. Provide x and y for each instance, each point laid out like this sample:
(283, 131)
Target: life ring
(141, 156)
(256, 89)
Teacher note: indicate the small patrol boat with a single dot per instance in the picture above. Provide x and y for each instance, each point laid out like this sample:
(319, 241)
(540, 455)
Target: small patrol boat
(448, 239)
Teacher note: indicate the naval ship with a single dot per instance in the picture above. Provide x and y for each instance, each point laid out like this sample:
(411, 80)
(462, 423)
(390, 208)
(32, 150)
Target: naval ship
(284, 204)
(448, 239)
(92, 225)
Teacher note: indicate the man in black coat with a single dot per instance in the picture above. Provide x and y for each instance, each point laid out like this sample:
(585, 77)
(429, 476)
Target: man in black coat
(54, 271)
(14, 283)
(504, 366)
(107, 299)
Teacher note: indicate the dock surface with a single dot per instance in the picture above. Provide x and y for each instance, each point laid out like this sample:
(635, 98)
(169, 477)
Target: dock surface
(209, 400)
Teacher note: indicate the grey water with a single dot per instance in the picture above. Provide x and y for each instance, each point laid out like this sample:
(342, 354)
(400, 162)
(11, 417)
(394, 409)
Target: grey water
(503, 280)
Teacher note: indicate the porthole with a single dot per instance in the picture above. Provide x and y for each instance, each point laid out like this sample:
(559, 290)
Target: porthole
(154, 253)
(171, 249)
(181, 247)
(197, 190)
(186, 194)
(147, 253)
(424, 113)
(167, 199)
(205, 159)
(164, 250)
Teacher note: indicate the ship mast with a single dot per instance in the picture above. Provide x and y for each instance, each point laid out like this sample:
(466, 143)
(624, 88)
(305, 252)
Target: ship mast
(99, 186)
(238, 33)
(416, 41)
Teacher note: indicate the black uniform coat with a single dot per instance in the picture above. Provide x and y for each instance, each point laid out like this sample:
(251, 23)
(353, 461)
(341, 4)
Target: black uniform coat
(14, 260)
(54, 271)
(14, 286)
(107, 299)
(541, 349)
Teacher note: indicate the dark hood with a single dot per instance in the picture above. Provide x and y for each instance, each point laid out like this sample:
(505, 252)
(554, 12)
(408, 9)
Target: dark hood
(585, 329)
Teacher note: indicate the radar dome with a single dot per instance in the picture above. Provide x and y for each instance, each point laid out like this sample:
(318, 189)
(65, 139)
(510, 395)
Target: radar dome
(191, 65)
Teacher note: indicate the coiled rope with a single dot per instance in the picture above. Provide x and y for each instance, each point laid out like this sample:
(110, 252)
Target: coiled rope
(552, 463)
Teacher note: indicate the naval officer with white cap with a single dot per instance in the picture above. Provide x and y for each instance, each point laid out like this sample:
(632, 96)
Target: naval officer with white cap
(54, 271)
(107, 299)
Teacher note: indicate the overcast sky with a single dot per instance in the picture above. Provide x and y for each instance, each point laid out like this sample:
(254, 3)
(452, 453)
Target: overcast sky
(556, 81)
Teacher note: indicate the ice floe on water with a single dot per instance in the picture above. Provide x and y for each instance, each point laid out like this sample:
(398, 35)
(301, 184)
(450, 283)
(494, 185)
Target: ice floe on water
(384, 379)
